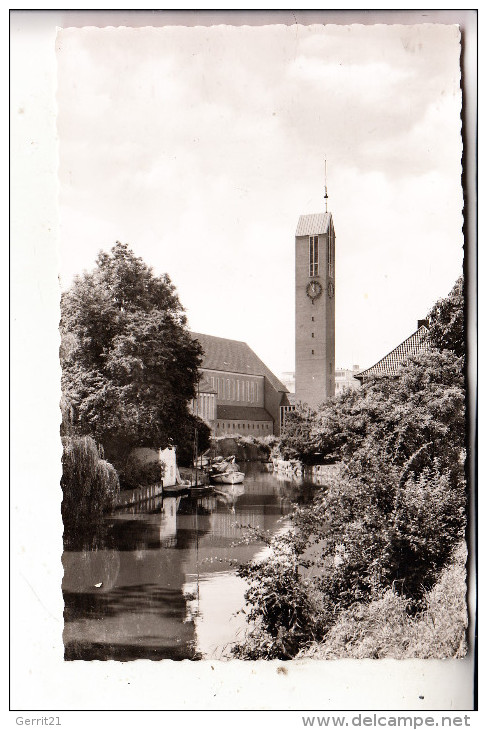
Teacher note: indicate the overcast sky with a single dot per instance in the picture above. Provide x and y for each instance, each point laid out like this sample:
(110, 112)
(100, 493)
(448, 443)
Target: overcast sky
(201, 147)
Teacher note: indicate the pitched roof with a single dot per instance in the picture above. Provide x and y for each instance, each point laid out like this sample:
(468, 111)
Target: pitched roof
(389, 365)
(232, 356)
(245, 413)
(313, 224)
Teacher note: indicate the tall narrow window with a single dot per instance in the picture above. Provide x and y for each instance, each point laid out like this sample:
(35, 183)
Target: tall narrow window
(313, 255)
(330, 253)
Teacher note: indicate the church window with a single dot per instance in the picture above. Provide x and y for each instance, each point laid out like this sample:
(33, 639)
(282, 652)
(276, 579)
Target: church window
(313, 255)
(312, 319)
(312, 334)
(312, 352)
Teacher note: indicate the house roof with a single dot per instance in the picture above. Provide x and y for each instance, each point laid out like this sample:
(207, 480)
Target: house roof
(313, 224)
(245, 413)
(389, 365)
(232, 356)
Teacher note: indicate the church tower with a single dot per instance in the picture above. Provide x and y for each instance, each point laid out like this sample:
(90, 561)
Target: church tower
(315, 308)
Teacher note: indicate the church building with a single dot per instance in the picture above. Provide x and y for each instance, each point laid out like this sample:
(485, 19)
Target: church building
(237, 392)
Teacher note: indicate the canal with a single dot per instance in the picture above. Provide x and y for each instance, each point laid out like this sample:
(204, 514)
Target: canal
(159, 581)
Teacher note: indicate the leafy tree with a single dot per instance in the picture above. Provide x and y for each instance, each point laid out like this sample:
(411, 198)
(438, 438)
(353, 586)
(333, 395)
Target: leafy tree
(130, 366)
(446, 321)
(297, 440)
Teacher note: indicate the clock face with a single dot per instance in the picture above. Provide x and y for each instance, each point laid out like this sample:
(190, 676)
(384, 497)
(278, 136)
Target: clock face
(314, 289)
(331, 289)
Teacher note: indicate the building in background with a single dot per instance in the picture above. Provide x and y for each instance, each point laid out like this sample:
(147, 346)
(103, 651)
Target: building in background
(315, 309)
(237, 394)
(345, 379)
(289, 380)
(389, 365)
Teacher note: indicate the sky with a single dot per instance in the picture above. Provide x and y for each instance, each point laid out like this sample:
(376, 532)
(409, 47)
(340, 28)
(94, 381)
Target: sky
(201, 147)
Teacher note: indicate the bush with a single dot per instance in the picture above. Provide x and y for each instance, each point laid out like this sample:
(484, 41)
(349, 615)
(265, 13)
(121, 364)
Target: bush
(286, 609)
(384, 628)
(138, 474)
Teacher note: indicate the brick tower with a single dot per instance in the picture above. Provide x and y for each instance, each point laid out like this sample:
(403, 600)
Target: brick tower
(315, 309)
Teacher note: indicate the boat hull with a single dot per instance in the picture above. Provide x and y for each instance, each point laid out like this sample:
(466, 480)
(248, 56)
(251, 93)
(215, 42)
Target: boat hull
(230, 477)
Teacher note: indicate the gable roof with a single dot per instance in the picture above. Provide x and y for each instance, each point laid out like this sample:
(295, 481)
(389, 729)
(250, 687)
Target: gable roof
(313, 224)
(232, 356)
(389, 365)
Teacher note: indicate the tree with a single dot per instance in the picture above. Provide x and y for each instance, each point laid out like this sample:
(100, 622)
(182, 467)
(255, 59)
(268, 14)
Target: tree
(296, 439)
(90, 484)
(130, 365)
(446, 321)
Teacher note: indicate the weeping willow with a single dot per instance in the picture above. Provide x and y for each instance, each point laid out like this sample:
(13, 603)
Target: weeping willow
(90, 484)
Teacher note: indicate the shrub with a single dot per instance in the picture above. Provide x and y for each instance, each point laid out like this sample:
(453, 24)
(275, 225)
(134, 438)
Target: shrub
(138, 474)
(285, 609)
(384, 628)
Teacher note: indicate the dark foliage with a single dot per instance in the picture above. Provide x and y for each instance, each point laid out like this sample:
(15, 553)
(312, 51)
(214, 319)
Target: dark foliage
(446, 321)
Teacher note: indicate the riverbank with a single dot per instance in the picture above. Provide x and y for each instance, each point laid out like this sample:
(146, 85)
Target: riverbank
(295, 469)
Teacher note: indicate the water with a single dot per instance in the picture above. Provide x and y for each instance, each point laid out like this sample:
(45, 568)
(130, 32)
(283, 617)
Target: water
(162, 584)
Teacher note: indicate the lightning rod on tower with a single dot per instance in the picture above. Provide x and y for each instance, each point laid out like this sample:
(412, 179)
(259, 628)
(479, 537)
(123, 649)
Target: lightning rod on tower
(326, 192)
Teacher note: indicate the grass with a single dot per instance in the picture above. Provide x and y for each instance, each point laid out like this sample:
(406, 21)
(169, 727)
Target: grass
(384, 629)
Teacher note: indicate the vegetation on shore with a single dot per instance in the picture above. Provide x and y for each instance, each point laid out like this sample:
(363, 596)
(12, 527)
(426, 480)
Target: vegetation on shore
(377, 538)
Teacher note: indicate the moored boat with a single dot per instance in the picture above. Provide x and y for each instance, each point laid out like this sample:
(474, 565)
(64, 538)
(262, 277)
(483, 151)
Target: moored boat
(228, 477)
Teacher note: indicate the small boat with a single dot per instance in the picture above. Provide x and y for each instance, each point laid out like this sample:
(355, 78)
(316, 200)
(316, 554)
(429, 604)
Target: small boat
(228, 477)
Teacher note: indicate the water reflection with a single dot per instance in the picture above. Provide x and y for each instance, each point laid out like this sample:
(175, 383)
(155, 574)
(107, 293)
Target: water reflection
(161, 583)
